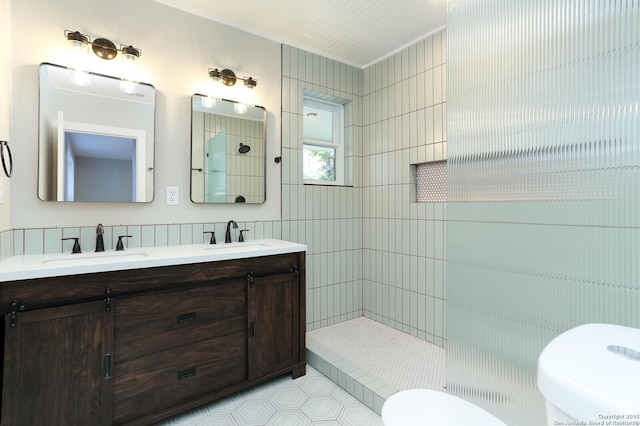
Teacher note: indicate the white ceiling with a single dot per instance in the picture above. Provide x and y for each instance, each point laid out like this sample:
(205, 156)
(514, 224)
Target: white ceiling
(356, 32)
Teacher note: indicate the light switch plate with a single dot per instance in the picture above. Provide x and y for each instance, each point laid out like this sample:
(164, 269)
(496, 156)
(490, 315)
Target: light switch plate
(173, 196)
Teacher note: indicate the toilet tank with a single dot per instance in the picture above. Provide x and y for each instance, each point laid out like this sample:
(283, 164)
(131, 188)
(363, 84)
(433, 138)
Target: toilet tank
(592, 373)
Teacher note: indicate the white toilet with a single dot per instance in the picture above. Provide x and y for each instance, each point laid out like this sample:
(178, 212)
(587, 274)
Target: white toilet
(422, 407)
(592, 373)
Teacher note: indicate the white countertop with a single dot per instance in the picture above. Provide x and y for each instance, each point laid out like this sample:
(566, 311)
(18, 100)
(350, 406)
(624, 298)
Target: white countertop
(49, 265)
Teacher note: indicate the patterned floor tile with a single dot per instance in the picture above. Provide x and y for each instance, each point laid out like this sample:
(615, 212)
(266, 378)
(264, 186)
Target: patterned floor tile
(317, 386)
(312, 400)
(216, 420)
(288, 399)
(322, 407)
(253, 412)
(359, 416)
(289, 418)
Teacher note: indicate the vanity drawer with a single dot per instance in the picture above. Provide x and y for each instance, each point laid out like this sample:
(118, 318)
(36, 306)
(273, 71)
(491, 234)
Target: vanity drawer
(158, 381)
(156, 322)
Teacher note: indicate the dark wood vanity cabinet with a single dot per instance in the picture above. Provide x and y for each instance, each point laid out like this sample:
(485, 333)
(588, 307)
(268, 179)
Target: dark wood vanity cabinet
(57, 364)
(175, 346)
(158, 342)
(274, 312)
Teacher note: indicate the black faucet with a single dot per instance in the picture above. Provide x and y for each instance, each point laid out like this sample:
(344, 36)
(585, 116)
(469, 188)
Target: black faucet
(213, 236)
(99, 238)
(76, 245)
(119, 245)
(227, 235)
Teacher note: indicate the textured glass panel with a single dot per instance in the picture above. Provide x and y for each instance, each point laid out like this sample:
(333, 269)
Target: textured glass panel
(543, 173)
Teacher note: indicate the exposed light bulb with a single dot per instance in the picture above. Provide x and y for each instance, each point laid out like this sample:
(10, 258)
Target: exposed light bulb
(208, 101)
(128, 86)
(240, 108)
(79, 77)
(128, 82)
(78, 53)
(248, 91)
(217, 88)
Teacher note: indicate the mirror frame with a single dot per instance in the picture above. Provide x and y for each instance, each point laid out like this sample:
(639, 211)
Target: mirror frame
(146, 166)
(194, 170)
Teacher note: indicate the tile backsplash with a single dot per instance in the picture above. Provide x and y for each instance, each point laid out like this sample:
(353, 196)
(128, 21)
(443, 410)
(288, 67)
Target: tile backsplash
(49, 240)
(6, 244)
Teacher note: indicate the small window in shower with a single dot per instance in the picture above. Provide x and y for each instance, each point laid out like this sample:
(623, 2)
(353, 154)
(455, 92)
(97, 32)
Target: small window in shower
(431, 182)
(323, 160)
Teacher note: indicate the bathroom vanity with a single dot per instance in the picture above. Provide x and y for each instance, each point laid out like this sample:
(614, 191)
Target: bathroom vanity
(141, 338)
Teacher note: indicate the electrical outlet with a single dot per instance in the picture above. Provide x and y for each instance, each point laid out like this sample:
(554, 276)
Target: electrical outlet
(173, 196)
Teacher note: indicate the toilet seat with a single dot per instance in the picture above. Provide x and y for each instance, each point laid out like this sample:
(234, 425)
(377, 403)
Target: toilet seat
(420, 407)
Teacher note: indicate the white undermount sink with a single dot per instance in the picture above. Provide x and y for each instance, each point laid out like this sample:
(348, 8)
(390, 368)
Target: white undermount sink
(95, 258)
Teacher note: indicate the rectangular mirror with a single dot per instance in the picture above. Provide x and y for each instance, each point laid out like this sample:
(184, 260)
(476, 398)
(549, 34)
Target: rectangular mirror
(228, 152)
(96, 138)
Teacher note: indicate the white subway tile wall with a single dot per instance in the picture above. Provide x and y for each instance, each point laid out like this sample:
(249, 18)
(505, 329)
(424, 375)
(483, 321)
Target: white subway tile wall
(404, 242)
(328, 219)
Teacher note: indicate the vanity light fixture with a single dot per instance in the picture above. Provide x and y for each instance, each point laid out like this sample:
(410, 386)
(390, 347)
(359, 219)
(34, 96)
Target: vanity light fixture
(223, 80)
(229, 78)
(102, 47)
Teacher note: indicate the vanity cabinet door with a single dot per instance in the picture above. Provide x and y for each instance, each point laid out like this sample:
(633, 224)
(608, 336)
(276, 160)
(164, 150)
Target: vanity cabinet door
(57, 366)
(274, 327)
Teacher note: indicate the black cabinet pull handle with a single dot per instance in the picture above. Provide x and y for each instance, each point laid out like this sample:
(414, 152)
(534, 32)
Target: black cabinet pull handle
(107, 366)
(185, 374)
(186, 318)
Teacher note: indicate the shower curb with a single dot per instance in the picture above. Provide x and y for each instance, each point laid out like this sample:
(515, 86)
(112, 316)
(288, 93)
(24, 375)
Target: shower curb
(363, 385)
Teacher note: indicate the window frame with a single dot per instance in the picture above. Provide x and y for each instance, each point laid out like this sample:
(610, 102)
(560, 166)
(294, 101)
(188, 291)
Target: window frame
(337, 110)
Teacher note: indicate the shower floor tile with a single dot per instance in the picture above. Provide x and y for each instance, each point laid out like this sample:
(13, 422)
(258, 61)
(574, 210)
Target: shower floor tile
(372, 361)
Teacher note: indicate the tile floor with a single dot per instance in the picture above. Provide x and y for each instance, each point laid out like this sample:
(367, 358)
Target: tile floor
(372, 361)
(309, 400)
(398, 359)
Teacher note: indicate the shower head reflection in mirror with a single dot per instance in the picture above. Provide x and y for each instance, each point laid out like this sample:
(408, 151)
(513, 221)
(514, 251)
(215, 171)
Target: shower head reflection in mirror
(228, 152)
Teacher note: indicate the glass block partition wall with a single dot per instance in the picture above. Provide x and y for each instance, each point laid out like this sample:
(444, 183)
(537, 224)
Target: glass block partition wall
(543, 187)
